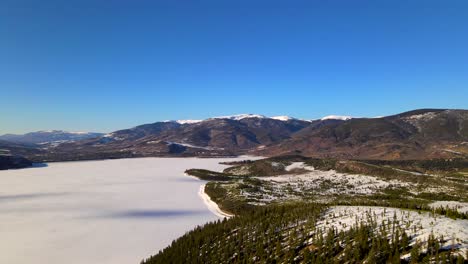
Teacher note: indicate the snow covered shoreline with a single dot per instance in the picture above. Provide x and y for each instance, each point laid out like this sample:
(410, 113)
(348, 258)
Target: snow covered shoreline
(212, 206)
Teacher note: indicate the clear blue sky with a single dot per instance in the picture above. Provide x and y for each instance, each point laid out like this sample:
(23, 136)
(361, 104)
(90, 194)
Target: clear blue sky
(104, 65)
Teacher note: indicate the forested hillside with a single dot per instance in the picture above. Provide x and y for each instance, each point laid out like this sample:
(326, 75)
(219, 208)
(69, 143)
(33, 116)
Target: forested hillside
(296, 233)
(295, 209)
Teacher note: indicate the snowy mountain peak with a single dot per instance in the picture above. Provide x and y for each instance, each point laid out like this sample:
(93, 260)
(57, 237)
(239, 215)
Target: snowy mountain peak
(240, 116)
(237, 118)
(283, 118)
(182, 122)
(337, 117)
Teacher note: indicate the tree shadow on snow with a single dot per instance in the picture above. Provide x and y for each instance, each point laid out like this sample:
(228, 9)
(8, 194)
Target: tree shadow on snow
(24, 196)
(142, 214)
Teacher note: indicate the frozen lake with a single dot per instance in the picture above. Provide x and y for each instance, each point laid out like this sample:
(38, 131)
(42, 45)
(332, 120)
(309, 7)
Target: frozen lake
(109, 211)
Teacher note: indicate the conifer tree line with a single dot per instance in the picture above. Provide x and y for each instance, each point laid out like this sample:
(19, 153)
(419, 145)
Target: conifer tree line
(289, 234)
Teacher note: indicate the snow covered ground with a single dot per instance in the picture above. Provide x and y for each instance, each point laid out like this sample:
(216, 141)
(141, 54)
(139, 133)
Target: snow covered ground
(418, 225)
(110, 211)
(192, 146)
(298, 165)
(459, 206)
(321, 183)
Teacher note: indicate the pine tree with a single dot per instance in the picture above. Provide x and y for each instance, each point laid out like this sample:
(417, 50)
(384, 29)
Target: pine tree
(415, 253)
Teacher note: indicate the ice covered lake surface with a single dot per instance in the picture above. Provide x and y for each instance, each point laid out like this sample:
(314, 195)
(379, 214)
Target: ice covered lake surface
(109, 211)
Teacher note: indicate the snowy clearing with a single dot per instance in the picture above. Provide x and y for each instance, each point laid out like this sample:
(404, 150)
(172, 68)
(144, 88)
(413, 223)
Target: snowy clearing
(418, 225)
(298, 165)
(316, 182)
(459, 206)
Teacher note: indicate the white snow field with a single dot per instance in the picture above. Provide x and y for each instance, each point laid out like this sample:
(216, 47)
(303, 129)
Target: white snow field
(418, 225)
(109, 211)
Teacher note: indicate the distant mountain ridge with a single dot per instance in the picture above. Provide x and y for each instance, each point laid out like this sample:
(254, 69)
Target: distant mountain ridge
(50, 136)
(220, 136)
(236, 117)
(418, 134)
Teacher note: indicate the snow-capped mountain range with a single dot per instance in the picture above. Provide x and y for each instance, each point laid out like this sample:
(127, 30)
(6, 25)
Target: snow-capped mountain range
(245, 116)
(424, 133)
(60, 136)
(49, 136)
